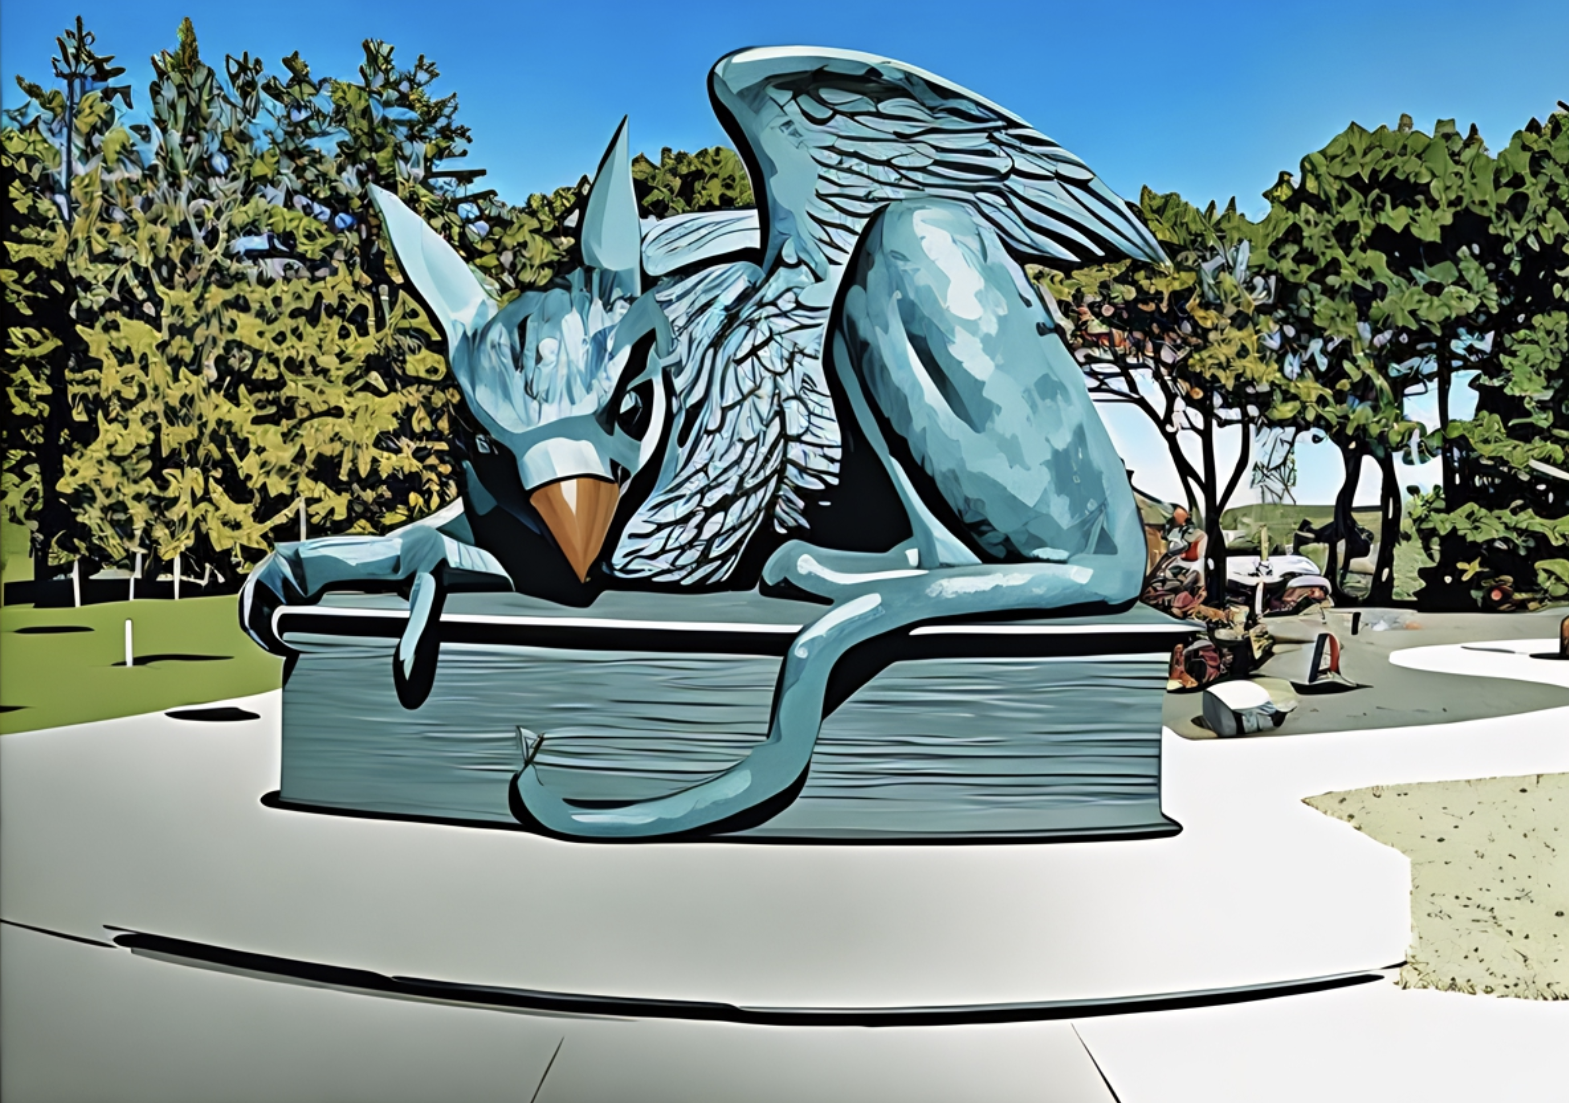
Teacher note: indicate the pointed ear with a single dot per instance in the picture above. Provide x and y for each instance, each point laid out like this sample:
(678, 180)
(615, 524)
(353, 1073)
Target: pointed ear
(612, 238)
(455, 298)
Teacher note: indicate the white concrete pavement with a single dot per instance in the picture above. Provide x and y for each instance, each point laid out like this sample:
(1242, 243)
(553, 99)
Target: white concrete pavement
(1375, 1043)
(154, 824)
(90, 1025)
(1513, 659)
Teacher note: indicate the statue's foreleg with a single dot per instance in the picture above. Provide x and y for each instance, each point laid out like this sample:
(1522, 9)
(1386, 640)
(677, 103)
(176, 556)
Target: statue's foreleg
(871, 607)
(427, 561)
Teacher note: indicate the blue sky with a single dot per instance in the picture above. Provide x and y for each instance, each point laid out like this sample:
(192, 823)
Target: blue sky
(1208, 99)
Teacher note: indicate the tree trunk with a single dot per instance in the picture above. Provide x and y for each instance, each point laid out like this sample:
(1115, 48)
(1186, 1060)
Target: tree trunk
(54, 513)
(1343, 524)
(1443, 589)
(1445, 455)
(55, 516)
(1214, 554)
(1383, 588)
(1214, 537)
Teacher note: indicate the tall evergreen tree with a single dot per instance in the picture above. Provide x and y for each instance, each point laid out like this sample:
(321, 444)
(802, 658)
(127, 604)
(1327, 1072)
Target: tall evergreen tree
(62, 150)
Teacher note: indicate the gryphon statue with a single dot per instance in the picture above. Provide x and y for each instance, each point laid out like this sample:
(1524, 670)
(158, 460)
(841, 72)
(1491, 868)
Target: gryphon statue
(852, 394)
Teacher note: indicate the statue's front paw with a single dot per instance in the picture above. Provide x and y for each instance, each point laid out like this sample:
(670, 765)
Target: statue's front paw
(781, 566)
(785, 578)
(273, 584)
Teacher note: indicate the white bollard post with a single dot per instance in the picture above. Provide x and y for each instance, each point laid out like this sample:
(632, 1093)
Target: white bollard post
(76, 582)
(136, 572)
(302, 519)
(130, 652)
(176, 576)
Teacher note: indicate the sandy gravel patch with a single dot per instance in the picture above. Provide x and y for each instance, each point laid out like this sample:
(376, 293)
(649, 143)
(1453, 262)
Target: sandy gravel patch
(1489, 878)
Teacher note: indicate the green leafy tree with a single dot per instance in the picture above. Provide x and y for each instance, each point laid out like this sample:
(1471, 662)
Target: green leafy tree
(1499, 530)
(153, 476)
(1377, 248)
(709, 180)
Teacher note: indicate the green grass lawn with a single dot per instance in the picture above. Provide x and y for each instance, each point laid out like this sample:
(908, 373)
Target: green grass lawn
(1283, 519)
(53, 678)
(198, 654)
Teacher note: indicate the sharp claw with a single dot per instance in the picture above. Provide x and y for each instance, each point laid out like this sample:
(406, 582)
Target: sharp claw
(414, 657)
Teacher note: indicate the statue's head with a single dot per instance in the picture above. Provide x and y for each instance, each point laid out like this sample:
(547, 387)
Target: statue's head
(569, 379)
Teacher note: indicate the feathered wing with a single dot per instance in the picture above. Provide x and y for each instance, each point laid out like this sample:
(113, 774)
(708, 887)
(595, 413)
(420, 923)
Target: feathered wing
(753, 437)
(703, 237)
(830, 138)
(835, 135)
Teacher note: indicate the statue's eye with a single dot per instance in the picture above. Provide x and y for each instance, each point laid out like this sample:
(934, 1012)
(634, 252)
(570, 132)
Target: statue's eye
(636, 410)
(632, 404)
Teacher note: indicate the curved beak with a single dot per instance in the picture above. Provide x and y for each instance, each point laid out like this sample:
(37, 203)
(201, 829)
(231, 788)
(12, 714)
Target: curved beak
(578, 512)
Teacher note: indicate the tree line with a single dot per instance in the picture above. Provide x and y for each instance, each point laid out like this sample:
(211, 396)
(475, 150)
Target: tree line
(1393, 264)
(208, 349)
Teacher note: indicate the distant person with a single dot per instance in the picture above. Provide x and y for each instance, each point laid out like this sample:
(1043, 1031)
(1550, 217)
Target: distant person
(1180, 533)
(1359, 541)
(1305, 534)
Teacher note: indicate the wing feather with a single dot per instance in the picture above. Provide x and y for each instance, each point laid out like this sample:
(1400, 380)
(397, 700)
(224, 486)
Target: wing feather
(835, 135)
(704, 237)
(831, 137)
(755, 430)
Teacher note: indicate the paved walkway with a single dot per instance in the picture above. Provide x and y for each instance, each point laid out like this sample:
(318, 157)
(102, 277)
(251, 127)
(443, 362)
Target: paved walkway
(1396, 693)
(155, 824)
